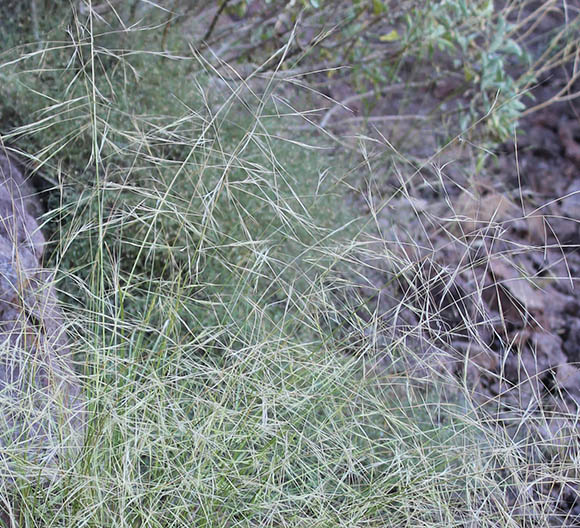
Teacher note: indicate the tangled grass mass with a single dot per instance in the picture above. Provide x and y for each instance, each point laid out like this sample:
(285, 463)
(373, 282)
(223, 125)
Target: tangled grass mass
(309, 263)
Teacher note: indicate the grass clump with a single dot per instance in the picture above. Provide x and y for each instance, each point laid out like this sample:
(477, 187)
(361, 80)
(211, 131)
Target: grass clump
(205, 256)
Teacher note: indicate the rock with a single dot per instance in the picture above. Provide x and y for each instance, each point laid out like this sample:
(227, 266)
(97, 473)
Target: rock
(19, 208)
(19, 227)
(14, 186)
(42, 409)
(15, 271)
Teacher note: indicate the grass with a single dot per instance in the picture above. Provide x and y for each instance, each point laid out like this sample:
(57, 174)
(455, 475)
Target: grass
(207, 261)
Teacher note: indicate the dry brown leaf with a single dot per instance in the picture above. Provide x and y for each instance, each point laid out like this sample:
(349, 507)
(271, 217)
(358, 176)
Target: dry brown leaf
(519, 287)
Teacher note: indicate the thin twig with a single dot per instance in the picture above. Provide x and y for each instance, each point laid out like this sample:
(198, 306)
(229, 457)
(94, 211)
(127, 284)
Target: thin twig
(34, 19)
(363, 119)
(215, 19)
(371, 93)
(170, 18)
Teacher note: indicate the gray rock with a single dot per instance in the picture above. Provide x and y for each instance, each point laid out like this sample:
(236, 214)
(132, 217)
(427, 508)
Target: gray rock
(42, 412)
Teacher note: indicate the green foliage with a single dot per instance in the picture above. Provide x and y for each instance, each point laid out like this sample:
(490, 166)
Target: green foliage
(476, 40)
(378, 39)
